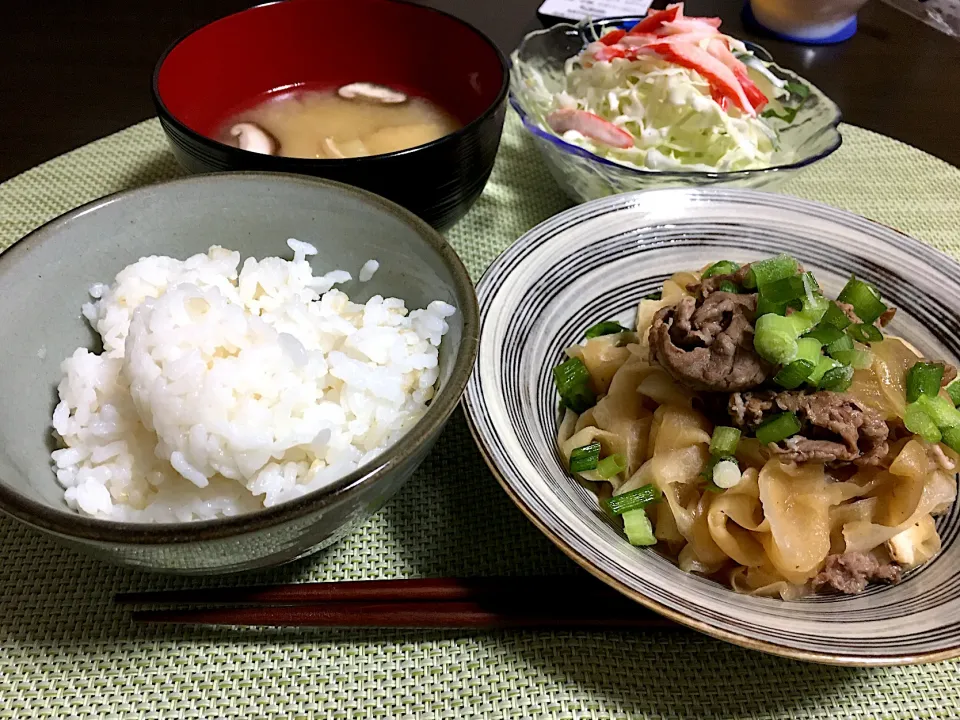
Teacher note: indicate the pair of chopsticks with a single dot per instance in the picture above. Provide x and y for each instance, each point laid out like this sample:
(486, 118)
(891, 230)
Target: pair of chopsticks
(456, 603)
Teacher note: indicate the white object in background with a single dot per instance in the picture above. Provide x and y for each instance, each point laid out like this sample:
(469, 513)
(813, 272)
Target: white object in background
(815, 21)
(594, 9)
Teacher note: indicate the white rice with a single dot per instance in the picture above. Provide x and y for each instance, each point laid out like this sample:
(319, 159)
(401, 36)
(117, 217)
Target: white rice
(220, 392)
(367, 271)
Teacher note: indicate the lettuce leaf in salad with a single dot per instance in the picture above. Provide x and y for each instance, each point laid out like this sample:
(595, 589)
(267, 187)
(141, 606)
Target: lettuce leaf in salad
(798, 94)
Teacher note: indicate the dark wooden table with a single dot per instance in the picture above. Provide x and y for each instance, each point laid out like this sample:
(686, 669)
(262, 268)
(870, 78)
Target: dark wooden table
(71, 72)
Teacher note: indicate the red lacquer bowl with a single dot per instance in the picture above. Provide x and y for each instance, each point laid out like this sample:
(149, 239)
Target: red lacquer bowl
(224, 67)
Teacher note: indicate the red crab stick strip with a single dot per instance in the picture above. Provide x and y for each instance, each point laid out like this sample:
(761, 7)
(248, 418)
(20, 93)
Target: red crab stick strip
(640, 39)
(721, 52)
(721, 78)
(656, 18)
(690, 25)
(606, 53)
(613, 37)
(589, 125)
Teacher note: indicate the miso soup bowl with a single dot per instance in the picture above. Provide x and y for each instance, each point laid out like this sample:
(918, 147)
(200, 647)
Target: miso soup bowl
(225, 67)
(253, 213)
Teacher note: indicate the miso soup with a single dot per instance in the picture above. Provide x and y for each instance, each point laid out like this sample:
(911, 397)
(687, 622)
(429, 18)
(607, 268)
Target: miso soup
(340, 123)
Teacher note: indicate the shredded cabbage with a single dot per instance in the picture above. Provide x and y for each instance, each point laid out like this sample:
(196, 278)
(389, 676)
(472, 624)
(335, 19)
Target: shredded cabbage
(668, 109)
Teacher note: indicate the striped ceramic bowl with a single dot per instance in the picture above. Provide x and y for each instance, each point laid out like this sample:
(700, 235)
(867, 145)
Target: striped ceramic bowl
(595, 262)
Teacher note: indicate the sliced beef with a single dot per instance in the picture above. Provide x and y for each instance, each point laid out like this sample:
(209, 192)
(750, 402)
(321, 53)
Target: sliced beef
(836, 427)
(707, 343)
(886, 317)
(898, 430)
(848, 311)
(881, 322)
(704, 288)
(949, 374)
(849, 573)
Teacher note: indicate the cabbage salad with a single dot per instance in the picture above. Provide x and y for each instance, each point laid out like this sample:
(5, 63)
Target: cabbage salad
(671, 93)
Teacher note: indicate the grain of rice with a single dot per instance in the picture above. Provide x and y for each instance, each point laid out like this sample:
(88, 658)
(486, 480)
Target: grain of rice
(367, 271)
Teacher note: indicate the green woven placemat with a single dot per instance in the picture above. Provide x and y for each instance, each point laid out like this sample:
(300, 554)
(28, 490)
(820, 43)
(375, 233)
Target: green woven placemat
(65, 652)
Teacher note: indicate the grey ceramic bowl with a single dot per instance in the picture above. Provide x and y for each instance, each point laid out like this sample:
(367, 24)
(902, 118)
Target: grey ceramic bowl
(45, 278)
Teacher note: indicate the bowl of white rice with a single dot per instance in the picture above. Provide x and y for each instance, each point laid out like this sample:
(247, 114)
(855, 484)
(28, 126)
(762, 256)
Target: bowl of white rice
(227, 371)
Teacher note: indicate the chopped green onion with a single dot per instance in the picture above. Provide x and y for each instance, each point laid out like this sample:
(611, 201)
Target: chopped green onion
(857, 359)
(813, 310)
(843, 343)
(811, 287)
(793, 374)
(707, 473)
(728, 287)
(604, 328)
(784, 290)
(953, 390)
(770, 270)
(808, 348)
(919, 423)
(836, 317)
(824, 365)
(777, 428)
(638, 528)
(585, 458)
(633, 500)
(940, 410)
(836, 379)
(923, 379)
(775, 338)
(826, 334)
(724, 267)
(724, 440)
(658, 295)
(951, 438)
(573, 383)
(726, 474)
(612, 465)
(795, 324)
(792, 290)
(864, 298)
(864, 333)
(765, 307)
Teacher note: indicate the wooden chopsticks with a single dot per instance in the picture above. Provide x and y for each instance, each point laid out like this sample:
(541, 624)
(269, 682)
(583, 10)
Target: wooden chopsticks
(476, 603)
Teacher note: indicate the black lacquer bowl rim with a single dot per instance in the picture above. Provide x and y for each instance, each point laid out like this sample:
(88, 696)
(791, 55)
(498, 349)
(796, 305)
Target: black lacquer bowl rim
(235, 157)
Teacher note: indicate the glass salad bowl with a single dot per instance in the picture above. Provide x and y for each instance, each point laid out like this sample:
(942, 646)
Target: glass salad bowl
(805, 134)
